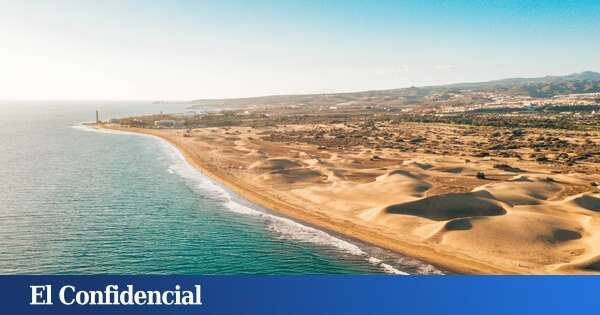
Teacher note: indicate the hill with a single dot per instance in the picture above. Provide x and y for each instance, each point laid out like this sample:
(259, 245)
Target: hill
(539, 87)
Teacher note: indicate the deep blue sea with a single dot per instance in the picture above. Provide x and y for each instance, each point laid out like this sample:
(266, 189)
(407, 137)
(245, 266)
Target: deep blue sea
(78, 201)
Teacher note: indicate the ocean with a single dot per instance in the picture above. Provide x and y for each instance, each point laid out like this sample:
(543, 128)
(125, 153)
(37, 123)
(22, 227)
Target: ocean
(74, 200)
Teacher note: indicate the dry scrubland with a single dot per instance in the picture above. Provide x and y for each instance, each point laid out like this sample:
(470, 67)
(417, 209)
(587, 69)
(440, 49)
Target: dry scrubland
(468, 199)
(491, 177)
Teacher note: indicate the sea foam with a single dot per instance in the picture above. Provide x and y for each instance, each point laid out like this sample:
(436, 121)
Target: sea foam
(280, 226)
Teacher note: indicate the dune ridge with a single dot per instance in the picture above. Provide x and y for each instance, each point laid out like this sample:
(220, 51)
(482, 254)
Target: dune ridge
(519, 219)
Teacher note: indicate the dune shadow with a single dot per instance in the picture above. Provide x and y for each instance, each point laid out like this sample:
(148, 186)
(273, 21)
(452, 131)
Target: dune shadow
(423, 166)
(588, 202)
(275, 164)
(453, 170)
(462, 224)
(408, 174)
(508, 168)
(594, 266)
(563, 235)
(295, 175)
(450, 206)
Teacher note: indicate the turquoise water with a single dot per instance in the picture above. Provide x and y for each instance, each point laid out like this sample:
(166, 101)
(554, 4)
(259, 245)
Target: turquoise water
(75, 201)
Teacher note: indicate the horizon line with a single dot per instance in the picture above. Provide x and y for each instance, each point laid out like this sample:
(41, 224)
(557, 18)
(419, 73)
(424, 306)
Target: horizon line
(188, 100)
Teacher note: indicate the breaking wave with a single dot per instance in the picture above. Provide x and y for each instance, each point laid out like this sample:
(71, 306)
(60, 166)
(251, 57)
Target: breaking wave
(282, 227)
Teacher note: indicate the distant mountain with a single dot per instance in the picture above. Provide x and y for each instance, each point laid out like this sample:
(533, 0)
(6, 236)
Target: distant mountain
(550, 89)
(540, 87)
(582, 76)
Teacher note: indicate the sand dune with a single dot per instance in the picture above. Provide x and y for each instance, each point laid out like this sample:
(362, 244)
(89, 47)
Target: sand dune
(417, 164)
(450, 169)
(450, 206)
(585, 201)
(523, 190)
(520, 218)
(274, 164)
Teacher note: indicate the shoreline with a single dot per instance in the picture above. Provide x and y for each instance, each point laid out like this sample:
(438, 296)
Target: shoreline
(445, 261)
(388, 261)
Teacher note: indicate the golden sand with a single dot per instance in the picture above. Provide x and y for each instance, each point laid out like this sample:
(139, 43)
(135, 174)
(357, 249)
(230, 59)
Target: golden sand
(430, 207)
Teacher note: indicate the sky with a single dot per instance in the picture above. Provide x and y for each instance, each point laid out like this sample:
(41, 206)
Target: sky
(183, 50)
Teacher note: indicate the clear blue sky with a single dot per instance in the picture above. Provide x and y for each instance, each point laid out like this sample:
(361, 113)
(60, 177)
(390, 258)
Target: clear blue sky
(201, 49)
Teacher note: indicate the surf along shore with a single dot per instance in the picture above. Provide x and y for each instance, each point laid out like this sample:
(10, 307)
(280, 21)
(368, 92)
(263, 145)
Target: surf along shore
(520, 218)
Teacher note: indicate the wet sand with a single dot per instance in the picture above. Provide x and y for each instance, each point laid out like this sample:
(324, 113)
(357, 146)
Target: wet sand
(519, 219)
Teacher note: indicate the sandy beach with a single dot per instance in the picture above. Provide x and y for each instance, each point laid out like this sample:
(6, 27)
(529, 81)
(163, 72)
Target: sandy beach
(519, 218)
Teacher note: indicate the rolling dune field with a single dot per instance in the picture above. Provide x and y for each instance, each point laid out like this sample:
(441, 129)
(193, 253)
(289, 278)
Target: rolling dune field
(440, 202)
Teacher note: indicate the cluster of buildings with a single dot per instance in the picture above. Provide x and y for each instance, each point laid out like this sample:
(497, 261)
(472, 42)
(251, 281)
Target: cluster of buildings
(524, 102)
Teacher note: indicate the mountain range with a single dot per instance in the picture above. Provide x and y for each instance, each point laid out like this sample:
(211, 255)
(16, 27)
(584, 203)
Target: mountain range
(538, 87)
